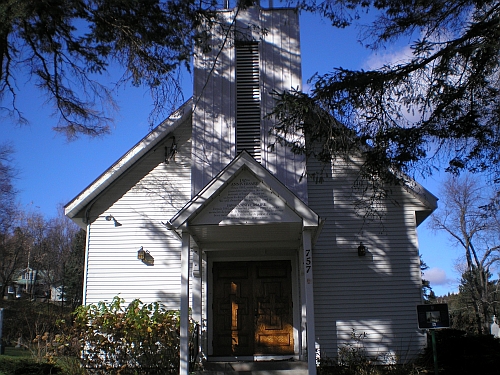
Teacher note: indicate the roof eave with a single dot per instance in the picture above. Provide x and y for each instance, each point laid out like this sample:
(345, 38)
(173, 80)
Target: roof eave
(85, 197)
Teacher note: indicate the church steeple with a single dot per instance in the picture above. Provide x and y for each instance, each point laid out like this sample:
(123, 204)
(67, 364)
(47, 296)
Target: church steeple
(253, 53)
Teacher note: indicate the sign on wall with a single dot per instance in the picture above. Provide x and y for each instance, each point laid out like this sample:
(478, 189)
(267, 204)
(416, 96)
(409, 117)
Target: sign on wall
(246, 200)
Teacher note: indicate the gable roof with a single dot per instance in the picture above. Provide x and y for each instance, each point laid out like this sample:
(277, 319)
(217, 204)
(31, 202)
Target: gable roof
(264, 210)
(428, 200)
(77, 204)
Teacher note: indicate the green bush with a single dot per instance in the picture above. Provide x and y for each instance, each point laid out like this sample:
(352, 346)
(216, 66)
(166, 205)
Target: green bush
(459, 353)
(136, 339)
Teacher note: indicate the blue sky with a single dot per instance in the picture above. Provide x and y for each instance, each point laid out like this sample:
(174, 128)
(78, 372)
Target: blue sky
(52, 171)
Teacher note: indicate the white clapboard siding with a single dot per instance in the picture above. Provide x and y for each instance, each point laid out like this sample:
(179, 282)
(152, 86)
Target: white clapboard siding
(214, 116)
(376, 294)
(214, 107)
(141, 203)
(281, 71)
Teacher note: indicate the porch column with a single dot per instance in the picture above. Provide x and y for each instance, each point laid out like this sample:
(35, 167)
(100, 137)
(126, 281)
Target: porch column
(309, 299)
(184, 318)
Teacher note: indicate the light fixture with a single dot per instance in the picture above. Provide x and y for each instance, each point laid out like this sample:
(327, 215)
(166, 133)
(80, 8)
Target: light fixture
(110, 217)
(141, 254)
(361, 250)
(145, 257)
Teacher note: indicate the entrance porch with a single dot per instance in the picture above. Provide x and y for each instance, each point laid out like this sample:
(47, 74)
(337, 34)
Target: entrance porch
(252, 287)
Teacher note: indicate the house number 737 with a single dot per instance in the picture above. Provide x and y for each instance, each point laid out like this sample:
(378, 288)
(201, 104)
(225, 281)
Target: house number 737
(308, 260)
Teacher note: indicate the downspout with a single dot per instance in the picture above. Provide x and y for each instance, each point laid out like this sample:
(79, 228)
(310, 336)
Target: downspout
(84, 291)
(87, 247)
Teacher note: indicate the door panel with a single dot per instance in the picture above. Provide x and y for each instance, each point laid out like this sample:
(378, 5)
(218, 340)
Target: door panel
(231, 307)
(273, 299)
(252, 307)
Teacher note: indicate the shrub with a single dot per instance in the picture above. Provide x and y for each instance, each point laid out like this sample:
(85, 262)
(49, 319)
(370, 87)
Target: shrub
(459, 353)
(137, 339)
(353, 359)
(26, 322)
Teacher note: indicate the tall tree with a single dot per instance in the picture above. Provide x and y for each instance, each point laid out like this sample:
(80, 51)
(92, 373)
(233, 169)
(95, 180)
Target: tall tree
(12, 257)
(33, 227)
(7, 191)
(73, 270)
(10, 254)
(439, 106)
(66, 46)
(427, 292)
(59, 237)
(477, 233)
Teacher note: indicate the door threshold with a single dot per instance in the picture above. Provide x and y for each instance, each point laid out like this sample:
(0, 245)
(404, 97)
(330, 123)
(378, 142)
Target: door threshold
(254, 358)
(261, 367)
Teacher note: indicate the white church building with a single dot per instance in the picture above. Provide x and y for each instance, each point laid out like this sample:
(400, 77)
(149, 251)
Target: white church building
(268, 263)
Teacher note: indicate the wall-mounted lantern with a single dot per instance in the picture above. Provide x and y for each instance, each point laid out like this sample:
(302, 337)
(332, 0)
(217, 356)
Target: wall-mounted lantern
(145, 257)
(141, 254)
(361, 250)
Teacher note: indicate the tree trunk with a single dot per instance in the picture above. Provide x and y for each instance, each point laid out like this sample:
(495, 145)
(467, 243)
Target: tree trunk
(3, 288)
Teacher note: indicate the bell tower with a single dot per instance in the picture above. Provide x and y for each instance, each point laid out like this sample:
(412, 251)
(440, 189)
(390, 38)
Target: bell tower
(252, 52)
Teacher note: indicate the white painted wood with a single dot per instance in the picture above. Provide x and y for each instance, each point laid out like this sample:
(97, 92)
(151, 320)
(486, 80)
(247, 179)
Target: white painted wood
(86, 265)
(184, 314)
(211, 190)
(215, 94)
(78, 207)
(378, 293)
(281, 71)
(309, 299)
(214, 106)
(146, 195)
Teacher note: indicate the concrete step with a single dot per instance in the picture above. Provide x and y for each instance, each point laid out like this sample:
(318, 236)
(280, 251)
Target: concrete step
(254, 368)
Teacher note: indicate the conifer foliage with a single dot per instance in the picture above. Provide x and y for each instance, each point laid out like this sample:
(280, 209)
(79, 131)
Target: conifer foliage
(439, 107)
(66, 46)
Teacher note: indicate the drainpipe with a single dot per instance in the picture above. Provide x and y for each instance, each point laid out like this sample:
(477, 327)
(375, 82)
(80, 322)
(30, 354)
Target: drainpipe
(86, 220)
(85, 266)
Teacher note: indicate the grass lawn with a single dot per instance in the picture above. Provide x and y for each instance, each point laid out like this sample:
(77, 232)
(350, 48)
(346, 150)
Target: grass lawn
(12, 352)
(12, 358)
(20, 361)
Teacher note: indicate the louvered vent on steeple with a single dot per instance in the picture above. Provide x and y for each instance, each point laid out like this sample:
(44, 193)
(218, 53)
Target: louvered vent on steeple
(248, 99)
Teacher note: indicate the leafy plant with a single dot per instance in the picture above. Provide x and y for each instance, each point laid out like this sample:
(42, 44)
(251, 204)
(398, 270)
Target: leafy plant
(353, 353)
(138, 338)
(353, 359)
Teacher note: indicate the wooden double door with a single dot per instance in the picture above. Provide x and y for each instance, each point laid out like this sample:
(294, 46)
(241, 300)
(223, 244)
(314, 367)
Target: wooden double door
(252, 308)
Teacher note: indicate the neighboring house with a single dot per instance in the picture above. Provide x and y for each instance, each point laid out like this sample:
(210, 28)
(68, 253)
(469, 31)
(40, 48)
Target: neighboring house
(57, 293)
(34, 283)
(267, 262)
